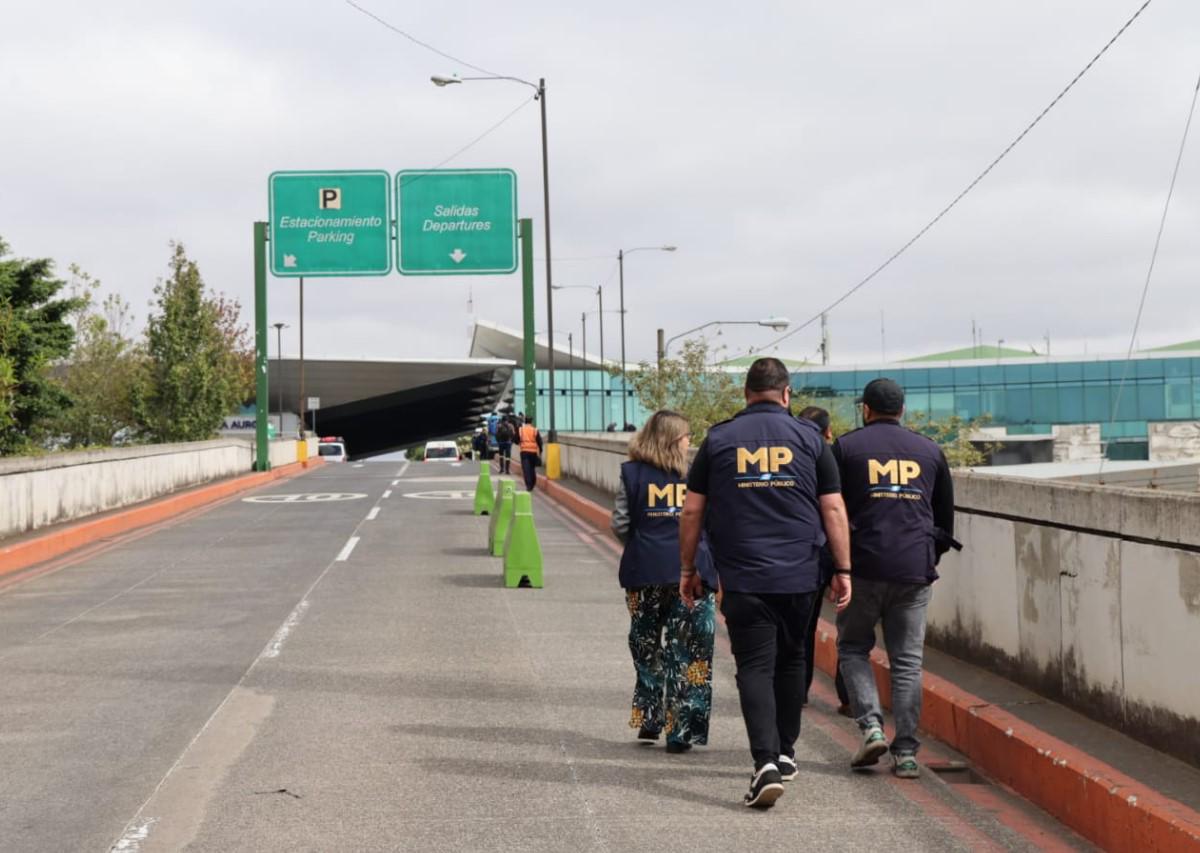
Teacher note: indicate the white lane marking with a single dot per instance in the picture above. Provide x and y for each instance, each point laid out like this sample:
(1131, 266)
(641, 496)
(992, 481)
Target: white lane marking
(281, 635)
(373, 514)
(395, 482)
(388, 493)
(358, 465)
(132, 840)
(403, 468)
(138, 827)
(347, 549)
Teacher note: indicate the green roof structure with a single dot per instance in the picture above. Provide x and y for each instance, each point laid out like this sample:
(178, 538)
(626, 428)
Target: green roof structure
(983, 351)
(1183, 347)
(747, 360)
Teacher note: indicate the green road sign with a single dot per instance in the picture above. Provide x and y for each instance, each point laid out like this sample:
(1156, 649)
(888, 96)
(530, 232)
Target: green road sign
(457, 221)
(336, 223)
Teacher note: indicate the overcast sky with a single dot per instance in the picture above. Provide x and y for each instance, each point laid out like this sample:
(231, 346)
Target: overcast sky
(787, 148)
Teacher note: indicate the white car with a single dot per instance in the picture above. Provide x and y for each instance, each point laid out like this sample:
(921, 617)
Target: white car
(442, 451)
(333, 449)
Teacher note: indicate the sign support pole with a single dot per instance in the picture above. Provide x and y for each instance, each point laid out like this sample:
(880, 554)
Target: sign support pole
(262, 455)
(529, 362)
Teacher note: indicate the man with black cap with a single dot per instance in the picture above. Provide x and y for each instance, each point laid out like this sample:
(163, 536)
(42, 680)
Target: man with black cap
(900, 499)
(765, 487)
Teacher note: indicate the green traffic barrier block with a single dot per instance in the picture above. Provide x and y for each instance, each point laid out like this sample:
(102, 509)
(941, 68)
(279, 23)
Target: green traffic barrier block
(501, 519)
(484, 502)
(523, 553)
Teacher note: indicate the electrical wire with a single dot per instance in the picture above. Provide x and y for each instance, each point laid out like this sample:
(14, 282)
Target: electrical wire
(486, 133)
(954, 203)
(1162, 223)
(417, 41)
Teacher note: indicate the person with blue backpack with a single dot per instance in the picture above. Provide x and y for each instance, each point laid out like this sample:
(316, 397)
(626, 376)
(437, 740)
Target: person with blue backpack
(671, 643)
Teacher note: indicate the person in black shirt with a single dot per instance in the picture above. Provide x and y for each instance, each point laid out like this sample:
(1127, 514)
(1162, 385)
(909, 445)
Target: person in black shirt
(765, 489)
(821, 418)
(901, 503)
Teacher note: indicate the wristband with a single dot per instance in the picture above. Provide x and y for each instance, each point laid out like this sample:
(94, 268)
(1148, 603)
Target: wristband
(842, 572)
(687, 571)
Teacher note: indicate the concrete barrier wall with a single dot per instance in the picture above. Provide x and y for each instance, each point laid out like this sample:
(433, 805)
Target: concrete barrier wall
(1088, 594)
(39, 491)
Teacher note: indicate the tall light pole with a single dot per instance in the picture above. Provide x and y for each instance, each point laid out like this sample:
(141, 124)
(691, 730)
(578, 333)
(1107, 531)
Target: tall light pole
(279, 327)
(778, 324)
(621, 253)
(540, 95)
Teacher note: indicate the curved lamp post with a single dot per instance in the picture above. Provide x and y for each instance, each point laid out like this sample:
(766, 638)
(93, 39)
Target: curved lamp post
(539, 89)
(778, 324)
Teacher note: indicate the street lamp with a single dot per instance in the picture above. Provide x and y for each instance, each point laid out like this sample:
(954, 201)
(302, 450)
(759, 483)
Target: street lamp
(778, 324)
(621, 253)
(279, 327)
(441, 81)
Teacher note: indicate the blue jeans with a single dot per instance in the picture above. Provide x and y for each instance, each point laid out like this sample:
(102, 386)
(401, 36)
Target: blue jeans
(901, 608)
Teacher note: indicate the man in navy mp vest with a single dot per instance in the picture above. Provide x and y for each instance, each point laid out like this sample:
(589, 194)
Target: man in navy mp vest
(901, 502)
(765, 487)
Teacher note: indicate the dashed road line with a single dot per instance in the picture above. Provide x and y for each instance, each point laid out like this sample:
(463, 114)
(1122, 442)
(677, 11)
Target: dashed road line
(388, 493)
(395, 482)
(276, 645)
(373, 514)
(347, 549)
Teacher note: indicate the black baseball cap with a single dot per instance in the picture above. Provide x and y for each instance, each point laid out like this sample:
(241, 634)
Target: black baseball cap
(884, 396)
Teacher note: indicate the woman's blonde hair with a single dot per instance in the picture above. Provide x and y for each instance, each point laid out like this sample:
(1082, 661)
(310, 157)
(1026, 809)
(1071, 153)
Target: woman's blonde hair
(658, 442)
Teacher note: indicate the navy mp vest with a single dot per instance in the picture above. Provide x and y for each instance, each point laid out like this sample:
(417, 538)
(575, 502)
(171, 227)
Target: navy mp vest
(888, 474)
(651, 554)
(762, 513)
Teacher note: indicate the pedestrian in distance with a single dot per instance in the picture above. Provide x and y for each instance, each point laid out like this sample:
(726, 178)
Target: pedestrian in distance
(671, 643)
(764, 486)
(821, 418)
(531, 452)
(479, 444)
(900, 499)
(504, 441)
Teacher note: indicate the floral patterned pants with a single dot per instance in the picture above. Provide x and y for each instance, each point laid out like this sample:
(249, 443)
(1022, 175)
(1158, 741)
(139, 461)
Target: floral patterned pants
(672, 650)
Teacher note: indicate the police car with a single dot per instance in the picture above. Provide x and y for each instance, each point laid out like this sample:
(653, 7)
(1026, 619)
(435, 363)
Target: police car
(333, 449)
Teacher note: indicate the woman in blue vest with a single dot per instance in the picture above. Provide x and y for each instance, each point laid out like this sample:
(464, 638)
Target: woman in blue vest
(672, 645)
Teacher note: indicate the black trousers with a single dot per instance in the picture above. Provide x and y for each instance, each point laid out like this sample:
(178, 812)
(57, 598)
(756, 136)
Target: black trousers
(529, 469)
(769, 637)
(809, 661)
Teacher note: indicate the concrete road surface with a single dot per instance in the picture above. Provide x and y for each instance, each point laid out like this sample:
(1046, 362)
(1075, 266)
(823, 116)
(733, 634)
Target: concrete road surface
(345, 672)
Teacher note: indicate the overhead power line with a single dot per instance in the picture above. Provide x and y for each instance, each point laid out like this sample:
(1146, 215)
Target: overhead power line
(954, 203)
(417, 41)
(1162, 223)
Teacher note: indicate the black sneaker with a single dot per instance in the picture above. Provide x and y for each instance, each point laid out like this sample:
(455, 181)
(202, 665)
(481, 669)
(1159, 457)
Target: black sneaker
(648, 734)
(765, 787)
(675, 747)
(787, 768)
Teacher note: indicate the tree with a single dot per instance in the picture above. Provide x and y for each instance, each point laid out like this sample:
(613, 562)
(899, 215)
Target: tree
(953, 435)
(198, 363)
(102, 371)
(34, 333)
(689, 385)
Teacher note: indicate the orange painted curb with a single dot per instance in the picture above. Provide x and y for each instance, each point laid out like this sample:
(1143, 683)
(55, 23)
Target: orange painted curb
(30, 552)
(1095, 799)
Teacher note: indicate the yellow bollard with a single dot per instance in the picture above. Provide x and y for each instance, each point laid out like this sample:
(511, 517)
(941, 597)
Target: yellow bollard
(553, 461)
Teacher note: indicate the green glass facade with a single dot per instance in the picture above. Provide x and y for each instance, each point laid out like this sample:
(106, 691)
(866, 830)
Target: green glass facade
(1029, 397)
(585, 400)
